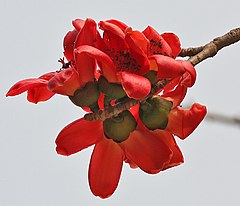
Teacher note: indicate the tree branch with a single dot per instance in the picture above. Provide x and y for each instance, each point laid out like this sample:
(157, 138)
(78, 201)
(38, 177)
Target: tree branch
(116, 109)
(190, 51)
(197, 55)
(201, 53)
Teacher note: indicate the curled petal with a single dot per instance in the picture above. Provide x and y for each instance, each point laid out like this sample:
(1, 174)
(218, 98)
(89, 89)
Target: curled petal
(88, 34)
(107, 66)
(105, 168)
(174, 42)
(110, 26)
(137, 41)
(65, 82)
(149, 153)
(86, 65)
(39, 94)
(119, 24)
(78, 135)
(135, 86)
(168, 139)
(68, 44)
(183, 122)
(189, 77)
(78, 24)
(168, 67)
(36, 87)
(158, 45)
(139, 45)
(176, 96)
(113, 36)
(25, 85)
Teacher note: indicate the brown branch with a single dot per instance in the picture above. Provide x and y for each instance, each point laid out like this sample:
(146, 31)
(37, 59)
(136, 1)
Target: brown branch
(121, 106)
(212, 48)
(190, 51)
(197, 54)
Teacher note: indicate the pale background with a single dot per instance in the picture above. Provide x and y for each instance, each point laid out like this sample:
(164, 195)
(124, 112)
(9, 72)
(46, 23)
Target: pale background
(32, 174)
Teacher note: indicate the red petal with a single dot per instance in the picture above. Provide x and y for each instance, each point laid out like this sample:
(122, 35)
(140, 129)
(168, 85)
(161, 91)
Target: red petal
(111, 27)
(39, 94)
(139, 46)
(174, 42)
(119, 24)
(135, 86)
(189, 77)
(65, 82)
(25, 85)
(183, 122)
(78, 135)
(168, 139)
(86, 65)
(151, 154)
(113, 36)
(68, 44)
(157, 43)
(69, 39)
(107, 66)
(88, 34)
(78, 24)
(137, 41)
(105, 168)
(176, 96)
(168, 67)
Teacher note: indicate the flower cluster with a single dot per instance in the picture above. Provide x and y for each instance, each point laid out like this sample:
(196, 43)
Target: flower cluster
(108, 69)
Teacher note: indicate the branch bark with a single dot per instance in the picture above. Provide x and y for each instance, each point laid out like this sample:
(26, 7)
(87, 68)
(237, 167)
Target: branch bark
(197, 55)
(201, 53)
(121, 106)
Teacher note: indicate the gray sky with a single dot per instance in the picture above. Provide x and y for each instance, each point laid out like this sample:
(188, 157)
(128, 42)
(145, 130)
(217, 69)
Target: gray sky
(31, 43)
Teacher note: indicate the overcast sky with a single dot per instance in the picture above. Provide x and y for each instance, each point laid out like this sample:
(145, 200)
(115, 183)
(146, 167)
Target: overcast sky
(32, 174)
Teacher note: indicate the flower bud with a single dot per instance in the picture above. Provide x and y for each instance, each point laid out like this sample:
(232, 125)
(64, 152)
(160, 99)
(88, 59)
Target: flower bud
(119, 128)
(112, 90)
(154, 113)
(86, 96)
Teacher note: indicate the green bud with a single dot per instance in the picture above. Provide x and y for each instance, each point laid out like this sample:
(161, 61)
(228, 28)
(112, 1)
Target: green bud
(119, 128)
(112, 90)
(86, 96)
(154, 113)
(151, 76)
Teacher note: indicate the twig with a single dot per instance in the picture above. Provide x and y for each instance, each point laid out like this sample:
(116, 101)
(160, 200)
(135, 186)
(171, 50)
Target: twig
(197, 54)
(119, 107)
(212, 48)
(190, 51)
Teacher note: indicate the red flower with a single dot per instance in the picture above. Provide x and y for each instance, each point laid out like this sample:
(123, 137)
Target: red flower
(151, 151)
(125, 56)
(130, 63)
(74, 74)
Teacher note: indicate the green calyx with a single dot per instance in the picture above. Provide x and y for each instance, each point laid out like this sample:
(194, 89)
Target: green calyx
(151, 76)
(154, 113)
(86, 96)
(111, 90)
(119, 128)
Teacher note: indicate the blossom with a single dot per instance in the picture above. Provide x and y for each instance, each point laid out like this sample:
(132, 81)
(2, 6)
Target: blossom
(121, 65)
(72, 76)
(151, 151)
(126, 56)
